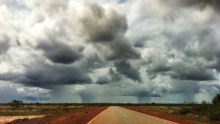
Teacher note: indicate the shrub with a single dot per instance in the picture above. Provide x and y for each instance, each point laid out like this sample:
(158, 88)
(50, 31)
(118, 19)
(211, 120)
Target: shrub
(215, 116)
(16, 103)
(184, 111)
(204, 102)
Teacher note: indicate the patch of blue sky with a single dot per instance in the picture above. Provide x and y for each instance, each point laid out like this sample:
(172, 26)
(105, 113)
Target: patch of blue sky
(15, 4)
(122, 1)
(142, 18)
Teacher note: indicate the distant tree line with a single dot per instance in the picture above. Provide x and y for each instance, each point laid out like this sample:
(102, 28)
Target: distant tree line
(19, 103)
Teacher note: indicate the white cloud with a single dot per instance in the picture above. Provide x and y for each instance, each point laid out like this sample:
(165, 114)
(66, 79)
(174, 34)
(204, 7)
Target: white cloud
(179, 48)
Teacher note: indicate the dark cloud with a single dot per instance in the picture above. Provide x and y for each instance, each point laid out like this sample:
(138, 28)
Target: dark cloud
(8, 76)
(126, 69)
(143, 95)
(182, 71)
(194, 54)
(141, 92)
(175, 41)
(103, 80)
(193, 2)
(111, 77)
(197, 74)
(103, 27)
(218, 87)
(60, 52)
(199, 3)
(122, 49)
(207, 44)
(188, 89)
(88, 96)
(94, 62)
(139, 44)
(115, 77)
(46, 76)
(106, 29)
(4, 45)
(208, 48)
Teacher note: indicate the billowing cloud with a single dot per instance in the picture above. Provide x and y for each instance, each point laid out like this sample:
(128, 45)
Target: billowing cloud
(182, 71)
(125, 68)
(199, 3)
(60, 53)
(111, 77)
(105, 28)
(4, 45)
(103, 25)
(41, 76)
(110, 51)
(46, 76)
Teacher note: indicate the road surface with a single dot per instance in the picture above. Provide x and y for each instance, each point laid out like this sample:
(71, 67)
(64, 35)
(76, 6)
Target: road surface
(119, 115)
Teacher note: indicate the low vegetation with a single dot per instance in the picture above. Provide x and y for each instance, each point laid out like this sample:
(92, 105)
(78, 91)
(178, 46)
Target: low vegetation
(17, 107)
(203, 112)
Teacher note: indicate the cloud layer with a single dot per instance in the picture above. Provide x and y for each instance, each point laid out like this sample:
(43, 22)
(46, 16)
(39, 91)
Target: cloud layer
(110, 51)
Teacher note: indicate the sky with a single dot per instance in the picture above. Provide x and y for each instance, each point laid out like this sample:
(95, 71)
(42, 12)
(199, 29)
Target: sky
(114, 51)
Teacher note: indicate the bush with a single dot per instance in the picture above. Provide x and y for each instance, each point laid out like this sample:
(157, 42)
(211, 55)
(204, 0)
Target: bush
(204, 102)
(216, 100)
(184, 111)
(16, 103)
(215, 116)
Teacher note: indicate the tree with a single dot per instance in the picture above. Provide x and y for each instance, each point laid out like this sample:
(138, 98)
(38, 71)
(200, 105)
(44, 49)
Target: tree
(204, 102)
(216, 100)
(16, 103)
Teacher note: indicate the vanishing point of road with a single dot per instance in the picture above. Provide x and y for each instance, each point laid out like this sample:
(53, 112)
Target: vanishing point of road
(119, 115)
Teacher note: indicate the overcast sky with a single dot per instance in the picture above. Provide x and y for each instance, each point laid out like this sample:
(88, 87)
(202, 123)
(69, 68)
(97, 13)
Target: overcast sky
(127, 51)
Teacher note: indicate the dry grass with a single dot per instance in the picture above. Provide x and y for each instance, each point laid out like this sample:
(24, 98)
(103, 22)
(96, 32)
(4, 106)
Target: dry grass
(7, 110)
(198, 112)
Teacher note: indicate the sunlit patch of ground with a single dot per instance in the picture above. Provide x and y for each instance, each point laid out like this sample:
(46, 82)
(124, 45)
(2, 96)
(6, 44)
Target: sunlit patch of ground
(6, 119)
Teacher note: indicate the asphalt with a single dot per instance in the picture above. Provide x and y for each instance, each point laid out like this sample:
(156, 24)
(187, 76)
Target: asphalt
(119, 115)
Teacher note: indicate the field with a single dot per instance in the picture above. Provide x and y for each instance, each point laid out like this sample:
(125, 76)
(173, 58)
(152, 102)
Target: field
(35, 109)
(82, 113)
(192, 113)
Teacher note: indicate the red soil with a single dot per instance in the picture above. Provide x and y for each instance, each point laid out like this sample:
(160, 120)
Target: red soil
(83, 115)
(76, 116)
(156, 113)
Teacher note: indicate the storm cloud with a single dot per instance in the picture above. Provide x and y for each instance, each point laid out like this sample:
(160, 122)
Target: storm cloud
(125, 68)
(200, 3)
(4, 45)
(110, 51)
(111, 77)
(60, 53)
(106, 28)
(103, 25)
(183, 71)
(46, 76)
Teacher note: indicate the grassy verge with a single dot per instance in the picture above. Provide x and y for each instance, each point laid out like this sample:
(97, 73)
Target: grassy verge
(198, 112)
(7, 110)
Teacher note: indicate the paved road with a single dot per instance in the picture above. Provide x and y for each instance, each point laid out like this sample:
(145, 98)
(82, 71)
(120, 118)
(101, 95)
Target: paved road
(119, 115)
